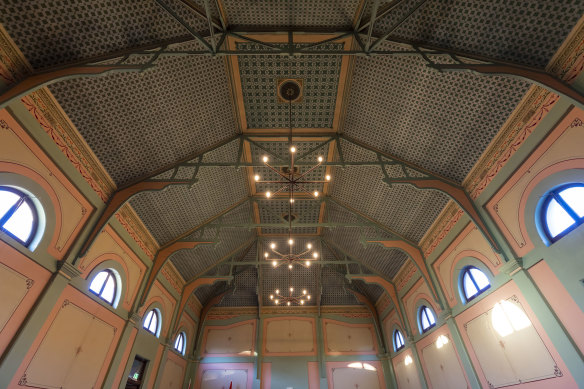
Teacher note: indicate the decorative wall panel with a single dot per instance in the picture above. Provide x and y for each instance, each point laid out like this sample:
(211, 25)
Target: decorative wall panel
(233, 340)
(406, 375)
(351, 375)
(561, 150)
(289, 336)
(442, 366)
(345, 338)
(173, 373)
(222, 375)
(21, 282)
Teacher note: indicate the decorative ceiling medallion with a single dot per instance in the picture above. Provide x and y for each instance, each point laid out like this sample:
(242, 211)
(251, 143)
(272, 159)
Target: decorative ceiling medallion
(290, 90)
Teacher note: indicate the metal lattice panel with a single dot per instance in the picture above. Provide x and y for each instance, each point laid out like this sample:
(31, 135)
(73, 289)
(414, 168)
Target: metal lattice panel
(138, 122)
(371, 291)
(56, 32)
(335, 291)
(403, 208)
(179, 208)
(374, 256)
(527, 32)
(259, 80)
(205, 293)
(440, 121)
(286, 13)
(194, 262)
(305, 211)
(244, 294)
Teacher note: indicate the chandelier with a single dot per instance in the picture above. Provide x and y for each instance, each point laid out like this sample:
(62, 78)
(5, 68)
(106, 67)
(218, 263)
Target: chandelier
(277, 298)
(294, 182)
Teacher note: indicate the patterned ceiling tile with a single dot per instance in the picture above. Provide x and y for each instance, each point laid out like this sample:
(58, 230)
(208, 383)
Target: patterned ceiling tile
(285, 13)
(172, 212)
(138, 122)
(440, 121)
(245, 290)
(62, 31)
(377, 258)
(403, 208)
(372, 291)
(205, 293)
(273, 211)
(259, 81)
(336, 291)
(526, 32)
(195, 262)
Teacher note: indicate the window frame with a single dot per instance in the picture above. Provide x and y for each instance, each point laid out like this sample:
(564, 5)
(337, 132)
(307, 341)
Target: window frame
(480, 291)
(554, 194)
(421, 311)
(183, 336)
(110, 273)
(23, 198)
(397, 333)
(155, 312)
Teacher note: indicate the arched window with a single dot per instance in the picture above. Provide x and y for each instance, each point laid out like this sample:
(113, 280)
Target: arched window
(104, 285)
(18, 215)
(398, 340)
(563, 210)
(152, 322)
(474, 282)
(180, 343)
(426, 318)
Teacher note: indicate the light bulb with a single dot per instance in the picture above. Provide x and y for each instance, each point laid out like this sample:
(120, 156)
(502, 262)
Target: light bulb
(268, 194)
(273, 246)
(315, 193)
(315, 255)
(328, 177)
(301, 302)
(307, 263)
(256, 177)
(274, 263)
(292, 149)
(288, 303)
(309, 246)
(291, 289)
(277, 291)
(290, 266)
(266, 255)
(271, 297)
(319, 159)
(290, 242)
(292, 201)
(277, 301)
(308, 297)
(265, 158)
(304, 291)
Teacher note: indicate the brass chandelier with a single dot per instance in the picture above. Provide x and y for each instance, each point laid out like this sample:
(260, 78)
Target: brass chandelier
(300, 299)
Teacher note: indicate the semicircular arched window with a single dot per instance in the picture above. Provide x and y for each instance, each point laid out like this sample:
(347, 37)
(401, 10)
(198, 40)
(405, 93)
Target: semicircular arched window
(426, 318)
(152, 322)
(398, 340)
(180, 343)
(474, 282)
(105, 286)
(563, 210)
(18, 215)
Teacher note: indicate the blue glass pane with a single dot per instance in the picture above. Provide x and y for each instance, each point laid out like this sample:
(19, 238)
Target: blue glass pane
(98, 281)
(7, 200)
(109, 290)
(574, 197)
(558, 220)
(430, 316)
(480, 278)
(21, 222)
(469, 289)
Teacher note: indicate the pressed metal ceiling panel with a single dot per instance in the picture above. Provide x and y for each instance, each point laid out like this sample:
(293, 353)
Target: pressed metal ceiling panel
(374, 256)
(244, 293)
(179, 208)
(440, 121)
(259, 81)
(138, 122)
(194, 262)
(371, 291)
(274, 211)
(286, 13)
(57, 32)
(404, 209)
(523, 31)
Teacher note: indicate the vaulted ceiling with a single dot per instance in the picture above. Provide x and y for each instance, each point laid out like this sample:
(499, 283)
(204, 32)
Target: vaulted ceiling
(220, 113)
